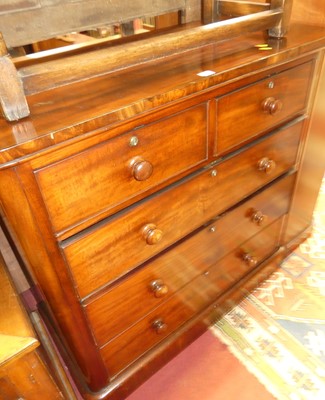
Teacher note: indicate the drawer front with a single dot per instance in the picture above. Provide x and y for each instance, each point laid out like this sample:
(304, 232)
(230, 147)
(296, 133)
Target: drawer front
(101, 178)
(148, 332)
(240, 261)
(169, 272)
(131, 344)
(248, 112)
(132, 237)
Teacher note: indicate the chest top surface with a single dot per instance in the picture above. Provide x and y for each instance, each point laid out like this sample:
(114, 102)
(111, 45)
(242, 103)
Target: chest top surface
(73, 111)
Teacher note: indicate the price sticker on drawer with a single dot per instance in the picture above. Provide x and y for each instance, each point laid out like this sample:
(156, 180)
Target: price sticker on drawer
(206, 73)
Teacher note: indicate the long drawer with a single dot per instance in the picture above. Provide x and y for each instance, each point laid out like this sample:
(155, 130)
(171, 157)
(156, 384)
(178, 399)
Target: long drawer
(161, 322)
(245, 113)
(111, 249)
(104, 177)
(165, 275)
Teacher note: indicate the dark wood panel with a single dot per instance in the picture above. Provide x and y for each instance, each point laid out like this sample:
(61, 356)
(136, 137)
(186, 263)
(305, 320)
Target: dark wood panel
(134, 342)
(112, 249)
(124, 167)
(248, 112)
(162, 277)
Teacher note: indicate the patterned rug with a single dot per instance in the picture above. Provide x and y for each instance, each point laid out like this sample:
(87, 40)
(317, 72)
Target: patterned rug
(278, 332)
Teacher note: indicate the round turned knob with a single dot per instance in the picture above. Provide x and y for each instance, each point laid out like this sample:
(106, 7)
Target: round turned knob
(151, 234)
(266, 165)
(159, 326)
(271, 105)
(141, 169)
(159, 288)
(258, 217)
(250, 260)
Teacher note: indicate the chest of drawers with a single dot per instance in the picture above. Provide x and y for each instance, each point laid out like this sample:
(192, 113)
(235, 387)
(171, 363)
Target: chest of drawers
(142, 224)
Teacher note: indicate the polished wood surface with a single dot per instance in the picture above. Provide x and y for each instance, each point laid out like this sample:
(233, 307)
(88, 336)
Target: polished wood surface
(248, 112)
(59, 115)
(16, 333)
(27, 378)
(124, 168)
(92, 240)
(61, 72)
(177, 267)
(23, 373)
(119, 242)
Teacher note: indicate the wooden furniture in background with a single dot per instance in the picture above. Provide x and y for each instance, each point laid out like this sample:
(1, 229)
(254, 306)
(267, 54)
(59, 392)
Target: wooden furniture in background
(23, 373)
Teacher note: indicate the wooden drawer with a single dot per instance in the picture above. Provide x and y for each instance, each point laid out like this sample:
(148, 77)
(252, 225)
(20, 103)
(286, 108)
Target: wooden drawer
(148, 332)
(231, 268)
(114, 247)
(101, 178)
(248, 112)
(194, 297)
(166, 274)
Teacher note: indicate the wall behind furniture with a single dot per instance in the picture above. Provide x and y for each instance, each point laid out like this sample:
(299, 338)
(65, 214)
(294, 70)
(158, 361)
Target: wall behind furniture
(310, 11)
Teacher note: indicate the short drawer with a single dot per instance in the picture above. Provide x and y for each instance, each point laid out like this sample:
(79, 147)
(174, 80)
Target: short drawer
(118, 309)
(116, 246)
(101, 178)
(200, 293)
(248, 112)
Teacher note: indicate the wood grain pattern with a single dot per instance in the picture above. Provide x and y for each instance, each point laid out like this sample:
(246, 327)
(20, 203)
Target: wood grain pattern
(28, 378)
(100, 251)
(184, 262)
(22, 372)
(172, 146)
(13, 317)
(193, 298)
(56, 73)
(70, 112)
(112, 249)
(240, 115)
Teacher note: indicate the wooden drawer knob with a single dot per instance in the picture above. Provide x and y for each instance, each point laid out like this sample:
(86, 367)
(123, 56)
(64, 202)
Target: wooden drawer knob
(159, 288)
(266, 165)
(250, 260)
(159, 326)
(141, 169)
(152, 234)
(258, 217)
(271, 105)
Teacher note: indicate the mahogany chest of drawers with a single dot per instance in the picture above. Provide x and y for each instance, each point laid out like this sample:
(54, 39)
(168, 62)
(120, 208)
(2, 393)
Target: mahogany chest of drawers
(142, 220)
